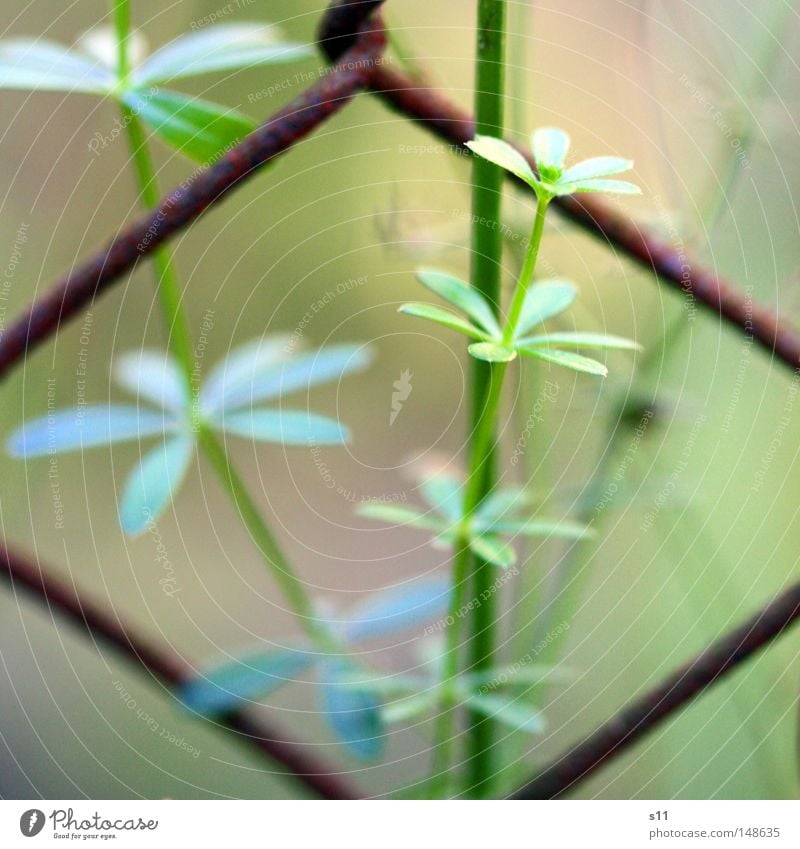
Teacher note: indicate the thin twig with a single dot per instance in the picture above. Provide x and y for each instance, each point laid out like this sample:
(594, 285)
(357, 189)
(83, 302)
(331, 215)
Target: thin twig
(644, 713)
(24, 573)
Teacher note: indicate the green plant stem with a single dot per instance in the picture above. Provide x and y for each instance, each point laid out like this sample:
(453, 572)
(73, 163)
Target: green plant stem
(169, 293)
(482, 445)
(485, 276)
(526, 275)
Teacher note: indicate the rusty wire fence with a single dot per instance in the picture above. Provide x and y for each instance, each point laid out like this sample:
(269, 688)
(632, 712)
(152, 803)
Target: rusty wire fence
(352, 37)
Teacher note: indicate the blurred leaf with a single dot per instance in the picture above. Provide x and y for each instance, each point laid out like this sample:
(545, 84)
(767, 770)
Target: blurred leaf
(352, 712)
(567, 359)
(501, 502)
(491, 352)
(442, 316)
(397, 514)
(290, 374)
(40, 65)
(398, 609)
(550, 147)
(151, 485)
(512, 712)
(443, 493)
(493, 550)
(410, 707)
(233, 377)
(540, 528)
(255, 676)
(85, 427)
(582, 340)
(222, 47)
(461, 295)
(153, 375)
(197, 128)
(503, 154)
(543, 300)
(614, 187)
(287, 427)
(598, 166)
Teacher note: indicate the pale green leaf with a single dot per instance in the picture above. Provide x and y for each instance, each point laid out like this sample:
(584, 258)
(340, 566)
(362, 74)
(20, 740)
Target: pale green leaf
(86, 427)
(541, 528)
(153, 375)
(40, 65)
(598, 166)
(153, 483)
(352, 712)
(614, 187)
(581, 340)
(287, 427)
(396, 609)
(503, 154)
(568, 359)
(442, 316)
(511, 712)
(491, 352)
(287, 374)
(443, 493)
(222, 47)
(545, 299)
(231, 381)
(550, 147)
(493, 550)
(226, 687)
(462, 296)
(198, 129)
(398, 514)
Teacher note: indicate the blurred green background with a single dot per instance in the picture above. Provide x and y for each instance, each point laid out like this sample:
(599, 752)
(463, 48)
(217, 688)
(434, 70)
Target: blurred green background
(704, 96)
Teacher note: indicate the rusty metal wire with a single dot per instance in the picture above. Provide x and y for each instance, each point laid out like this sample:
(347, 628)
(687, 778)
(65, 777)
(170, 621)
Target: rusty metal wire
(23, 573)
(352, 37)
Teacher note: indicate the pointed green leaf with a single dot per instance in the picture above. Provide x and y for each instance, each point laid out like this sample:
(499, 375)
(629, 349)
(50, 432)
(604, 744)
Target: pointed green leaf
(444, 493)
(397, 514)
(397, 609)
(491, 352)
(40, 65)
(352, 712)
(462, 296)
(582, 340)
(502, 502)
(223, 47)
(287, 427)
(287, 374)
(568, 359)
(493, 550)
(153, 483)
(503, 154)
(256, 676)
(405, 709)
(198, 129)
(442, 316)
(550, 147)
(614, 187)
(512, 712)
(541, 528)
(153, 375)
(85, 427)
(598, 166)
(543, 300)
(233, 378)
